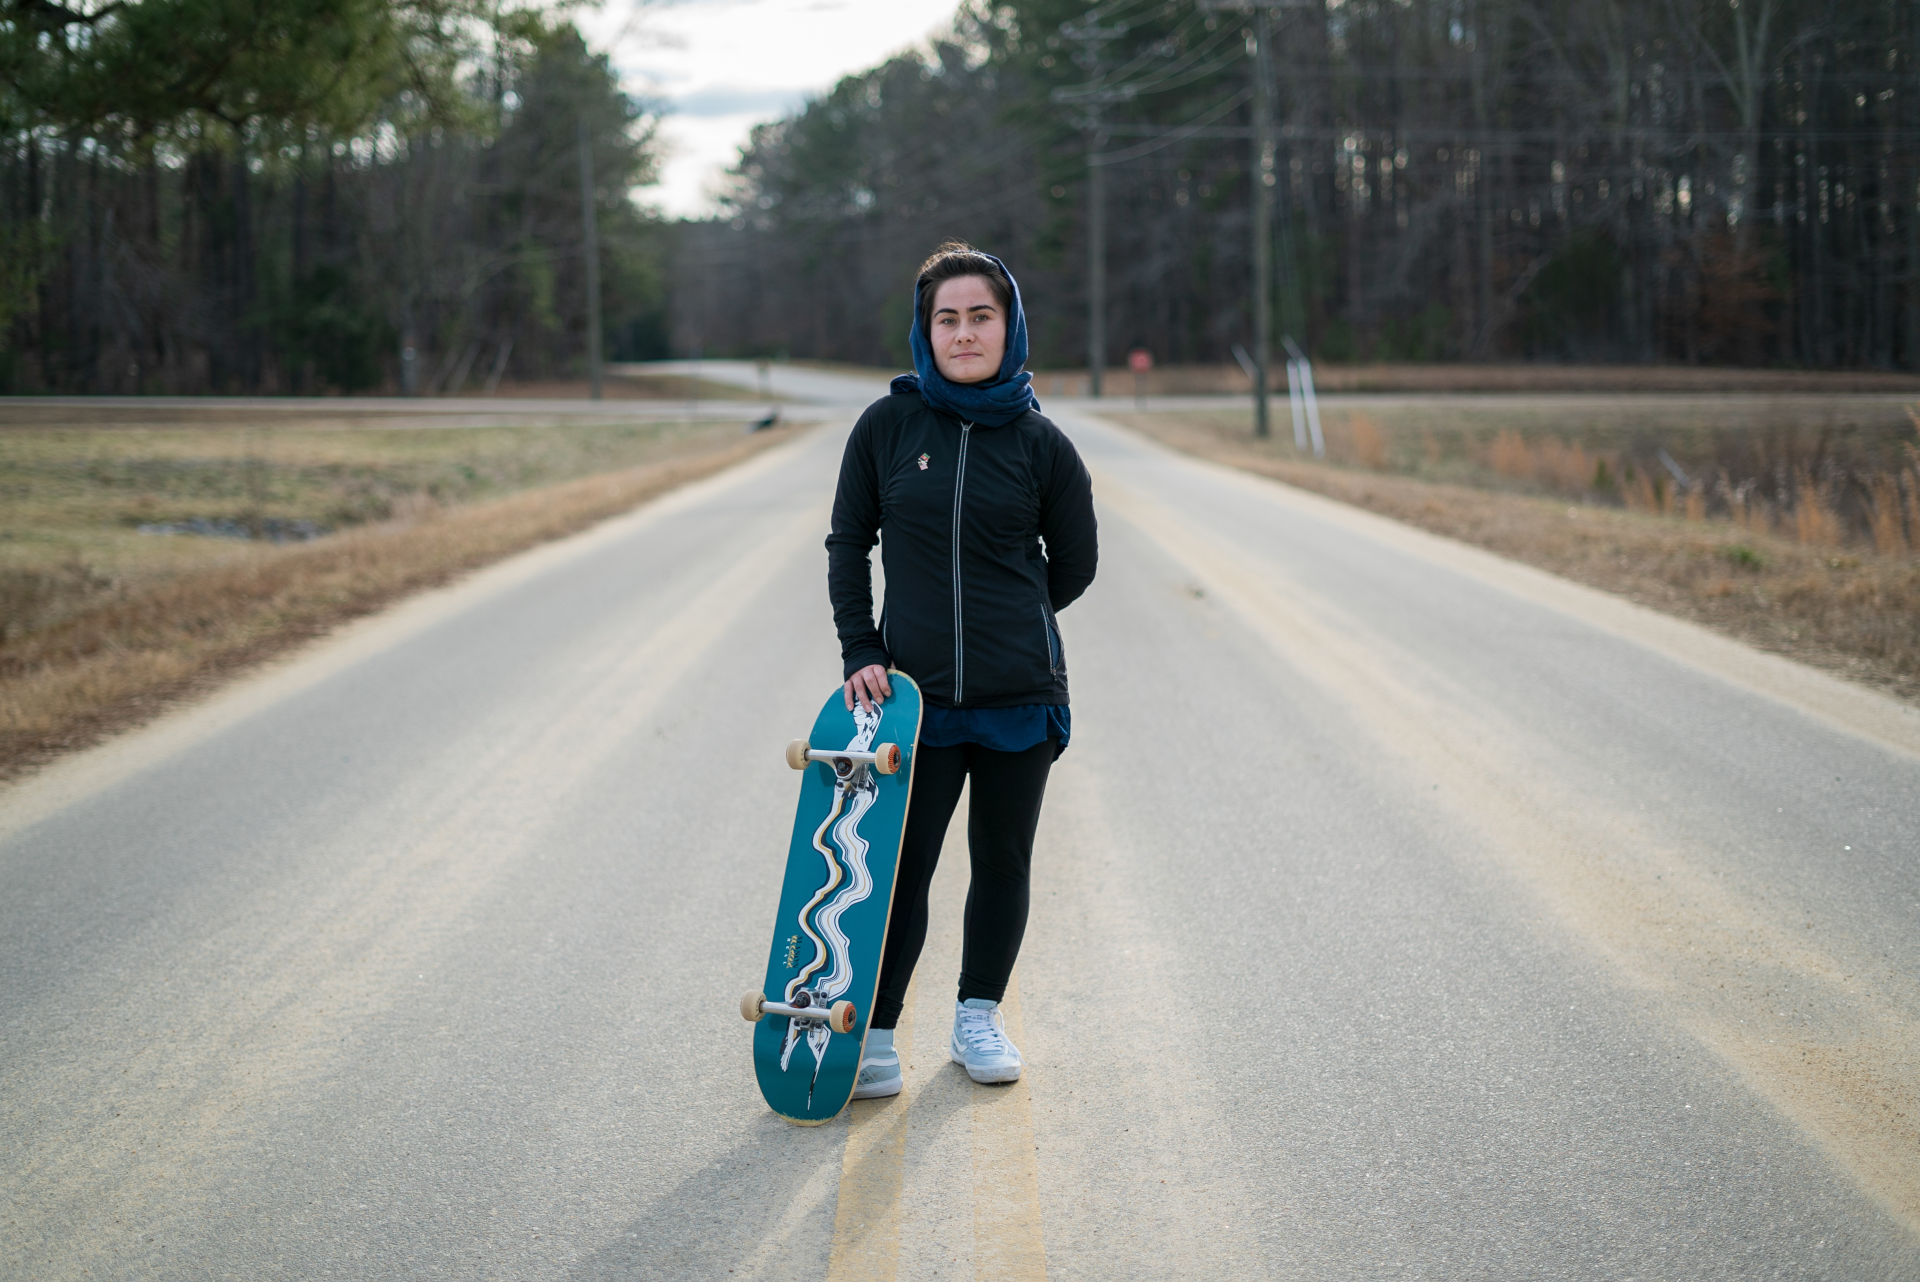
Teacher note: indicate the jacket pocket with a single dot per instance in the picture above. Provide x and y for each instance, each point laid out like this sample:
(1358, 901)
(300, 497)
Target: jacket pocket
(1056, 650)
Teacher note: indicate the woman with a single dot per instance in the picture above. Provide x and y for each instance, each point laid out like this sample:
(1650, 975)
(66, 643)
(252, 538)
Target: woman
(987, 514)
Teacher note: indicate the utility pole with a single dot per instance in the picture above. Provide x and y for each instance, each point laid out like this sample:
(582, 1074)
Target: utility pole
(1262, 222)
(1096, 265)
(1260, 41)
(592, 231)
(1092, 37)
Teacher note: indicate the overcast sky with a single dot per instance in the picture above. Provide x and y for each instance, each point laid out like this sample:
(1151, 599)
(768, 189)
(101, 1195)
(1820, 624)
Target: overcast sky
(725, 65)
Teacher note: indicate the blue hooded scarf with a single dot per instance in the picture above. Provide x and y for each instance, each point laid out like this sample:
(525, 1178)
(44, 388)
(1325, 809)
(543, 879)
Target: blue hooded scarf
(1000, 400)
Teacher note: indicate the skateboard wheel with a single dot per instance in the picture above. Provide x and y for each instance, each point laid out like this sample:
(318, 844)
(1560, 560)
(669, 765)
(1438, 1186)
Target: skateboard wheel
(886, 758)
(841, 1017)
(797, 755)
(750, 1006)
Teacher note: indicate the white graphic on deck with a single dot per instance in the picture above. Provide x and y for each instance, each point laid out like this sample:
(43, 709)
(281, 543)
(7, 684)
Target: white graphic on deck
(848, 882)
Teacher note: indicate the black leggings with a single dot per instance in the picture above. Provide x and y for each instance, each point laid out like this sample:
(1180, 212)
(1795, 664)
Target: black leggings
(1002, 813)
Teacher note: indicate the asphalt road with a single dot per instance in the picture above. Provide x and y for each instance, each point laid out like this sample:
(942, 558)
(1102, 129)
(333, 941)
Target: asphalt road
(1399, 912)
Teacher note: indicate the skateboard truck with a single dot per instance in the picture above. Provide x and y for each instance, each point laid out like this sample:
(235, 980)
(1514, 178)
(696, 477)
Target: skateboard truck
(840, 1017)
(885, 758)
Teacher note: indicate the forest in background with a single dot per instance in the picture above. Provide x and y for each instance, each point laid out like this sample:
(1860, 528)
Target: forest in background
(311, 195)
(294, 195)
(1731, 182)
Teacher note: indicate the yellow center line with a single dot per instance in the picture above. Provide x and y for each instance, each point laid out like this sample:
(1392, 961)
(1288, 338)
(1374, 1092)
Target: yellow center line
(866, 1223)
(951, 1180)
(1008, 1241)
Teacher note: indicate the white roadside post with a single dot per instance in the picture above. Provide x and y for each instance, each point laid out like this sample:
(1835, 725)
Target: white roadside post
(1297, 405)
(1313, 409)
(1306, 395)
(1246, 362)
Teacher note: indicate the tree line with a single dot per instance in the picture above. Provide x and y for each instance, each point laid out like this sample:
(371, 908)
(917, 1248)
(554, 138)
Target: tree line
(312, 195)
(1701, 181)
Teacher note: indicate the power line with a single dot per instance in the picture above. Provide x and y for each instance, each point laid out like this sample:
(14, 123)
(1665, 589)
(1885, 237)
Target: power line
(1179, 133)
(1492, 137)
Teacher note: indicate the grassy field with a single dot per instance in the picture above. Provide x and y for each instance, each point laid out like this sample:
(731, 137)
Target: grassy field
(1228, 379)
(1790, 577)
(141, 563)
(623, 387)
(1832, 470)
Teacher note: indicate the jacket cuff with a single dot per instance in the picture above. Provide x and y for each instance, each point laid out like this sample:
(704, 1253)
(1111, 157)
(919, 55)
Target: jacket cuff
(862, 657)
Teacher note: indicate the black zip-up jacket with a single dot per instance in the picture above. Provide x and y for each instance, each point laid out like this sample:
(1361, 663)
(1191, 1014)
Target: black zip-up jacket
(972, 591)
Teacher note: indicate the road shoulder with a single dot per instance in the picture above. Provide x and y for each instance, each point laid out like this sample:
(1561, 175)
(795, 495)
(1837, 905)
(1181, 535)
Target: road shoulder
(226, 698)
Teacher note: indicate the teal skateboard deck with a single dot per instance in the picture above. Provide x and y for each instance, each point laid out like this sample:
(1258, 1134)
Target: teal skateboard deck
(810, 1018)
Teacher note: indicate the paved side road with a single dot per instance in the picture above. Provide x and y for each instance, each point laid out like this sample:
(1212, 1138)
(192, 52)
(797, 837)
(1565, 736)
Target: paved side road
(1392, 917)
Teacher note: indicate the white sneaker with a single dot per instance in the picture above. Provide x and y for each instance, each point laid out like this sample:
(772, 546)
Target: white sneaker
(980, 1042)
(879, 1069)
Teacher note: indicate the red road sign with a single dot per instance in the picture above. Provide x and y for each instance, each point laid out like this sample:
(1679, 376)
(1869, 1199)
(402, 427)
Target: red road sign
(1139, 360)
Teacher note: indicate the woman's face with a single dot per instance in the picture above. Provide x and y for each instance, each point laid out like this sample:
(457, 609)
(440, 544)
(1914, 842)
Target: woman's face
(969, 330)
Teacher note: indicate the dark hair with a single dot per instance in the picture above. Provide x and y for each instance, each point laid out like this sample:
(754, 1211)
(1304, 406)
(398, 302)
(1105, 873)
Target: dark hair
(957, 258)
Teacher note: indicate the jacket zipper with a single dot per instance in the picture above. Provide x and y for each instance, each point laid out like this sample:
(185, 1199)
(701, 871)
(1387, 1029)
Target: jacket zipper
(959, 635)
(1046, 630)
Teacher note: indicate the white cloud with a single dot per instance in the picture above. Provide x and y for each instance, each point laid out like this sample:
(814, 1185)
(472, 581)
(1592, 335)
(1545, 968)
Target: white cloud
(723, 66)
(736, 100)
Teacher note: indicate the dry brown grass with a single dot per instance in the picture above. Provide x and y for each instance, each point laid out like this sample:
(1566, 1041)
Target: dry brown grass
(1831, 471)
(1851, 611)
(84, 502)
(1228, 378)
(1829, 502)
(121, 661)
(1596, 378)
(661, 386)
